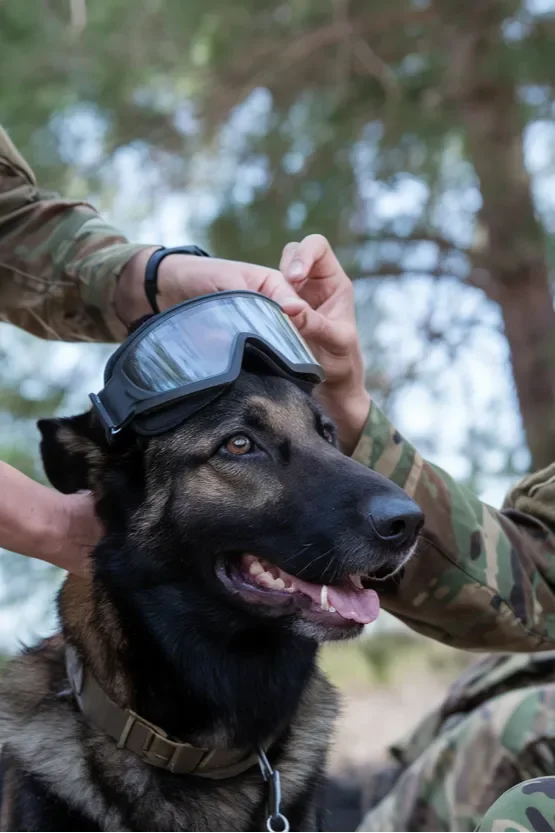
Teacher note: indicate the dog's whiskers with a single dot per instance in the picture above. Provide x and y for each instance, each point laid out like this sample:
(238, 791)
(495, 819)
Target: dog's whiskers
(299, 551)
(314, 560)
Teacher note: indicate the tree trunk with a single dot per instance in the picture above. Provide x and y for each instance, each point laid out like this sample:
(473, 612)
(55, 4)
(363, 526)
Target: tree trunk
(485, 95)
(529, 320)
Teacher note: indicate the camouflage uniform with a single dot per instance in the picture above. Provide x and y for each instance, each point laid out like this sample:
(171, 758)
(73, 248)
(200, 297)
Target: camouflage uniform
(529, 806)
(481, 580)
(59, 261)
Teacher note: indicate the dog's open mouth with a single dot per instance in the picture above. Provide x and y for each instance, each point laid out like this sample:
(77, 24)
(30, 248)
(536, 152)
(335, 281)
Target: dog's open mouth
(256, 581)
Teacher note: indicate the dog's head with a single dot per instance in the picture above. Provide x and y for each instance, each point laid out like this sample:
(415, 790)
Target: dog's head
(249, 505)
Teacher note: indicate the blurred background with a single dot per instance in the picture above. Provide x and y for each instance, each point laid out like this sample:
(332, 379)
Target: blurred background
(418, 136)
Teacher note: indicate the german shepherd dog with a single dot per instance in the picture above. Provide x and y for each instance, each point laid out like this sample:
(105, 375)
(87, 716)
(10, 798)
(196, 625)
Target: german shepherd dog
(234, 544)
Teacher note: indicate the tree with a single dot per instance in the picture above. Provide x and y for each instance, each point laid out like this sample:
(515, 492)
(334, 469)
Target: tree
(418, 86)
(319, 116)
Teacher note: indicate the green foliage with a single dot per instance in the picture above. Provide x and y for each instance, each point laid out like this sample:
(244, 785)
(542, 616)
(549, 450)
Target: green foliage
(278, 120)
(389, 657)
(388, 651)
(385, 652)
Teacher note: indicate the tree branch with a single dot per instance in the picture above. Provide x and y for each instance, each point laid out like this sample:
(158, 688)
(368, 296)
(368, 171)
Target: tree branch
(396, 270)
(375, 66)
(416, 236)
(280, 56)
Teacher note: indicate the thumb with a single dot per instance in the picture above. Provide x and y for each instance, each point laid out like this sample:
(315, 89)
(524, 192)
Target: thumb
(313, 257)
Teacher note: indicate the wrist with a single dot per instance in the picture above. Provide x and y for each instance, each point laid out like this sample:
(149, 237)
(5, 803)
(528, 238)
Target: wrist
(44, 526)
(358, 417)
(349, 408)
(179, 276)
(72, 532)
(130, 300)
(356, 411)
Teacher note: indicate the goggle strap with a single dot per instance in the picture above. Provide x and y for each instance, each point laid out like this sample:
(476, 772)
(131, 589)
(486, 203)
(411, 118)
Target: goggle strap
(111, 420)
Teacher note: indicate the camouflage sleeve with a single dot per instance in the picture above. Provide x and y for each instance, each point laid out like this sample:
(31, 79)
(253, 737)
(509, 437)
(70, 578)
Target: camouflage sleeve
(59, 261)
(481, 579)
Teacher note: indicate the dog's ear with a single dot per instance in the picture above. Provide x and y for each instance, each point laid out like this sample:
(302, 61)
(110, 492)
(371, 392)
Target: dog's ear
(73, 450)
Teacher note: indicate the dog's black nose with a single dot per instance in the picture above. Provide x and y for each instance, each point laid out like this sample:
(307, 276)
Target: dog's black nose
(396, 521)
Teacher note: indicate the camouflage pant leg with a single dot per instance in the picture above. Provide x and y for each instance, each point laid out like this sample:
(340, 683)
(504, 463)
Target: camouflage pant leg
(527, 807)
(452, 784)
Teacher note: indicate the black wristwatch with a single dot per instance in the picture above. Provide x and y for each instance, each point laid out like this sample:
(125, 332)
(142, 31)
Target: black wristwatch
(151, 270)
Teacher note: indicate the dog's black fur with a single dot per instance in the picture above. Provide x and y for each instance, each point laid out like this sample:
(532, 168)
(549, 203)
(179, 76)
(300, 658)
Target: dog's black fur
(166, 638)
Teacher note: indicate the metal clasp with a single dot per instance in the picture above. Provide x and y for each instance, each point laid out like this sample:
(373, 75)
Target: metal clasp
(276, 821)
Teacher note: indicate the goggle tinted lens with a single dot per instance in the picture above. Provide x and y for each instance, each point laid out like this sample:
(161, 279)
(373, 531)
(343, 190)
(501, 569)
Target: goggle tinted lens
(197, 343)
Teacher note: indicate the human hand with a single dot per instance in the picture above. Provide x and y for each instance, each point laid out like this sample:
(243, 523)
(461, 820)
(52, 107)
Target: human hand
(81, 531)
(42, 523)
(318, 298)
(181, 277)
(328, 324)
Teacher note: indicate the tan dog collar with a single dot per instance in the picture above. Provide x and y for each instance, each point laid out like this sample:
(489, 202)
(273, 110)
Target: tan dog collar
(150, 742)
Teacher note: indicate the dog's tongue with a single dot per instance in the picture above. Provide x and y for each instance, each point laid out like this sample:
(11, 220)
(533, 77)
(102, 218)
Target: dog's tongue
(361, 606)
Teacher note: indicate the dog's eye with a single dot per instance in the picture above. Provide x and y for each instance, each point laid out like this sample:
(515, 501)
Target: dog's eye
(239, 444)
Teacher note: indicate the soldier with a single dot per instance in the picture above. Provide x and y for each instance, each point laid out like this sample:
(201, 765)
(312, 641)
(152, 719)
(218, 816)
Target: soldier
(482, 579)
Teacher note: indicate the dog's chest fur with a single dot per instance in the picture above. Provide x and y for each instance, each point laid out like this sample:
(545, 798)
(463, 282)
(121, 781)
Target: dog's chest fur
(47, 737)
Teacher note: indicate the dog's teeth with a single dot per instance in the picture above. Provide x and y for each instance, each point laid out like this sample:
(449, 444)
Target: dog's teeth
(357, 581)
(287, 581)
(256, 568)
(266, 579)
(333, 610)
(279, 583)
(324, 597)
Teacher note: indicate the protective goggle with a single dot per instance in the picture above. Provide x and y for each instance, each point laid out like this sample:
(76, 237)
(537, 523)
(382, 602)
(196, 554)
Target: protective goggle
(180, 360)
